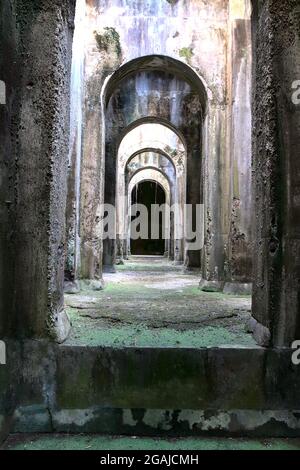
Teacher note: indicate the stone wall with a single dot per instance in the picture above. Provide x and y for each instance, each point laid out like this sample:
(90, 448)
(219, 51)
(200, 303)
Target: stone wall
(235, 384)
(36, 39)
(8, 109)
(34, 155)
(143, 391)
(45, 35)
(8, 129)
(240, 240)
(276, 137)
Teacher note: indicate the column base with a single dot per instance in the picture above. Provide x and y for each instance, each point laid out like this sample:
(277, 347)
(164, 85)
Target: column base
(71, 287)
(93, 284)
(211, 286)
(260, 333)
(109, 269)
(61, 327)
(238, 288)
(178, 263)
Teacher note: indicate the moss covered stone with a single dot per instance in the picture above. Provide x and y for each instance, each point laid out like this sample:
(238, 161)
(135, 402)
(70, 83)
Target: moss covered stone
(187, 53)
(110, 39)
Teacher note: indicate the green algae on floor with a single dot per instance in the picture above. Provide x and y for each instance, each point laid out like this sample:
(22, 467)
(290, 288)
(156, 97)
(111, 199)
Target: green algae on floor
(141, 337)
(105, 443)
(155, 304)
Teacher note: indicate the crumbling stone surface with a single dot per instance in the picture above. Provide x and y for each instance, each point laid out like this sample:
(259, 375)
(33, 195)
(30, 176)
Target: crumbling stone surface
(276, 134)
(156, 304)
(260, 333)
(37, 119)
(235, 383)
(8, 131)
(250, 391)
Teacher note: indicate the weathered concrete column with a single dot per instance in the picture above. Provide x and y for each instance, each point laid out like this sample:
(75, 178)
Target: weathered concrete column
(110, 244)
(102, 58)
(45, 35)
(193, 197)
(180, 195)
(9, 84)
(238, 275)
(276, 136)
(72, 263)
(216, 181)
(92, 180)
(121, 213)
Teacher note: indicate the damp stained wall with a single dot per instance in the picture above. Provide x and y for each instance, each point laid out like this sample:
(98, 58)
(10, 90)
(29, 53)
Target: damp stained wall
(276, 169)
(8, 75)
(34, 162)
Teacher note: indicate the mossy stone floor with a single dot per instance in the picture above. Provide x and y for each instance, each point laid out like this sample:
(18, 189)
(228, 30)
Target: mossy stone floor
(150, 302)
(104, 443)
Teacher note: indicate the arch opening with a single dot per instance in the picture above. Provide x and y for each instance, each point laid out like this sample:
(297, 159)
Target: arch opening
(155, 95)
(169, 157)
(157, 63)
(172, 109)
(148, 193)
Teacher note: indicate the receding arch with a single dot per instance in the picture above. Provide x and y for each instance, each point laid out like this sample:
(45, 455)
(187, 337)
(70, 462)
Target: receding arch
(151, 120)
(153, 63)
(149, 179)
(151, 174)
(151, 150)
(154, 151)
(176, 174)
(154, 90)
(148, 189)
(140, 140)
(153, 168)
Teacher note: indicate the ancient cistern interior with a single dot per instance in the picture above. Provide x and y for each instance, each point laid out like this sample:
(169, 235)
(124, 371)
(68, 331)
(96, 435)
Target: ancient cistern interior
(160, 132)
(111, 107)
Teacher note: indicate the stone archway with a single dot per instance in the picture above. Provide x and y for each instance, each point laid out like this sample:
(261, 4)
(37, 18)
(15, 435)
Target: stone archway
(153, 141)
(190, 99)
(257, 387)
(157, 177)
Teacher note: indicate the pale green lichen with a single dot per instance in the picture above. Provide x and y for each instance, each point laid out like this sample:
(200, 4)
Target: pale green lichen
(110, 38)
(142, 313)
(187, 53)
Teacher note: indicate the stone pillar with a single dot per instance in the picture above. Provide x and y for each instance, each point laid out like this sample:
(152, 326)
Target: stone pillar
(72, 265)
(239, 265)
(193, 196)
(45, 46)
(216, 182)
(170, 244)
(121, 211)
(9, 101)
(180, 198)
(276, 139)
(92, 178)
(110, 244)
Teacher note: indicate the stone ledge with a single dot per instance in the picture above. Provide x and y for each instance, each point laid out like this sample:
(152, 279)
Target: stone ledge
(261, 334)
(62, 386)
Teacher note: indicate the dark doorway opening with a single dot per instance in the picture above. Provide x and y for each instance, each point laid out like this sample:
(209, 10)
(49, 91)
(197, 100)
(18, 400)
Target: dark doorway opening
(149, 193)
